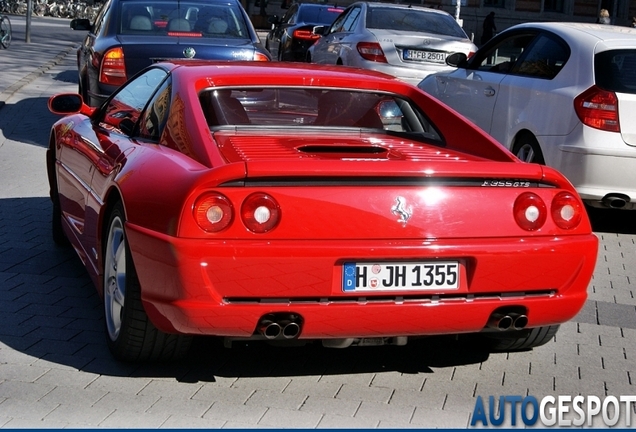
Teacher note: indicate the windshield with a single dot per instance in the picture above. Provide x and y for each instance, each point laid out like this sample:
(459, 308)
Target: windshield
(179, 18)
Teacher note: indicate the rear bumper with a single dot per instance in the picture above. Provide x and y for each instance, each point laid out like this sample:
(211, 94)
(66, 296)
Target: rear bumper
(219, 288)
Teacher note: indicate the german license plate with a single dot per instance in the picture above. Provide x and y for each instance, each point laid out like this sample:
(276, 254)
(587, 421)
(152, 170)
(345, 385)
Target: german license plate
(398, 276)
(425, 56)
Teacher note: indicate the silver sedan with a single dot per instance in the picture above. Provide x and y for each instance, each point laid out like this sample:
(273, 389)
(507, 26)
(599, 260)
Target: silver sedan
(408, 42)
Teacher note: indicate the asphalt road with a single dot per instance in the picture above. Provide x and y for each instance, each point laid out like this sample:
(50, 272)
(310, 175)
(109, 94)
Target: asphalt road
(55, 369)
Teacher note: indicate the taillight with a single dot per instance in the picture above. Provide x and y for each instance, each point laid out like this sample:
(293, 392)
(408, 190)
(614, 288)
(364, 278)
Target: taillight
(113, 70)
(260, 213)
(530, 211)
(371, 51)
(566, 210)
(598, 109)
(305, 35)
(260, 57)
(213, 212)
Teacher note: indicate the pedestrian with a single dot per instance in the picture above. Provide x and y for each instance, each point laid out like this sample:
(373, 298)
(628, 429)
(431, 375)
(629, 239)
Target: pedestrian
(634, 21)
(489, 28)
(603, 17)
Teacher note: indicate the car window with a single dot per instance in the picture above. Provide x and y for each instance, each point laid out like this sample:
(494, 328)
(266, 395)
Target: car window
(502, 56)
(346, 21)
(615, 70)
(297, 107)
(99, 19)
(337, 25)
(415, 20)
(154, 118)
(196, 19)
(289, 15)
(129, 101)
(543, 59)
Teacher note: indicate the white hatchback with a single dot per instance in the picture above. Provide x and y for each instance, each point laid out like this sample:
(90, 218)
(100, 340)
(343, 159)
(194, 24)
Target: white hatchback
(560, 94)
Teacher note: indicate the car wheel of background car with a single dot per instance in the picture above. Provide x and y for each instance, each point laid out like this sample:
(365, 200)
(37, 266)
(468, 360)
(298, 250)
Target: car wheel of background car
(521, 339)
(527, 149)
(130, 334)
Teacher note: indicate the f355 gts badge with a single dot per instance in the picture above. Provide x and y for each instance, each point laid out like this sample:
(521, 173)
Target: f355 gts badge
(402, 210)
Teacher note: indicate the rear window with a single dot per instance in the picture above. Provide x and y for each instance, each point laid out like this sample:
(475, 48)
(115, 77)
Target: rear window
(415, 20)
(319, 15)
(179, 18)
(310, 107)
(615, 70)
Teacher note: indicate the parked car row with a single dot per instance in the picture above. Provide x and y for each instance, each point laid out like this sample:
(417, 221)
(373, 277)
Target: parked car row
(558, 94)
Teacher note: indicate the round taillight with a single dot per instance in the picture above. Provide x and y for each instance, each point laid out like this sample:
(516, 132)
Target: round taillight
(213, 212)
(530, 211)
(567, 210)
(260, 213)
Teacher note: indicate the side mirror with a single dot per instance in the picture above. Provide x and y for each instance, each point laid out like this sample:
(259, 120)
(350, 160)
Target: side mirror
(457, 60)
(81, 24)
(69, 103)
(66, 103)
(319, 30)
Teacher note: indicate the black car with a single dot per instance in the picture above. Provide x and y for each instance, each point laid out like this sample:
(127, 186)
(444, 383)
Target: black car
(128, 35)
(291, 35)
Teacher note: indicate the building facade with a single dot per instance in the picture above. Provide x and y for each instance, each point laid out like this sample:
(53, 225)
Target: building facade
(510, 12)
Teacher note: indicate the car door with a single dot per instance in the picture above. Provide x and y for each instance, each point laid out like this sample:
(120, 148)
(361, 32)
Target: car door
(118, 130)
(474, 90)
(333, 46)
(533, 95)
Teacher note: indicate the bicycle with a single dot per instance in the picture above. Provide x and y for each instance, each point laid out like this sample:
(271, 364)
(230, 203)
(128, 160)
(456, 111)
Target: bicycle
(5, 31)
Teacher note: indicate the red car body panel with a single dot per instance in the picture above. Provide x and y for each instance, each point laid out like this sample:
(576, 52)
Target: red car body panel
(335, 208)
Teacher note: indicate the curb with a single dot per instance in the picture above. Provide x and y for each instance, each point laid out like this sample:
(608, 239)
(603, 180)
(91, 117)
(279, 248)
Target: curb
(32, 76)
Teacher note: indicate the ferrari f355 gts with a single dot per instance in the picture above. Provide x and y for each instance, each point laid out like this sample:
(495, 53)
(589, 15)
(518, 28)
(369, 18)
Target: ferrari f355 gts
(353, 210)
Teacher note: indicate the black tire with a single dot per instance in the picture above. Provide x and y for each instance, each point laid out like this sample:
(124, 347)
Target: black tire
(527, 149)
(520, 340)
(130, 335)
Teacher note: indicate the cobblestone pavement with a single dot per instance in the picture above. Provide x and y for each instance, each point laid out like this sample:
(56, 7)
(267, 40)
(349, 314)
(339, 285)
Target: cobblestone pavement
(55, 369)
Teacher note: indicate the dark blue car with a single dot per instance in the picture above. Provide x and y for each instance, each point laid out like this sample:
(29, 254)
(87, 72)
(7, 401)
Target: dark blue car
(291, 36)
(129, 35)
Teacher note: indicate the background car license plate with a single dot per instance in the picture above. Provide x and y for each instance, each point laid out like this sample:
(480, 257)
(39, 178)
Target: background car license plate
(427, 56)
(431, 275)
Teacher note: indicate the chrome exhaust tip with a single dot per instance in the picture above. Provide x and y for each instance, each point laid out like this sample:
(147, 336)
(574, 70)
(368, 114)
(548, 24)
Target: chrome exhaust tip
(291, 330)
(271, 330)
(615, 200)
(520, 322)
(500, 322)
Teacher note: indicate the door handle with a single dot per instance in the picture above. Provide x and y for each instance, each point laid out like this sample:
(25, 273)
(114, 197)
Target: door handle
(489, 91)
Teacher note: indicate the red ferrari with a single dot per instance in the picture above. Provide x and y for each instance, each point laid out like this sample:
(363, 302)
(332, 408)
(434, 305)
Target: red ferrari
(297, 203)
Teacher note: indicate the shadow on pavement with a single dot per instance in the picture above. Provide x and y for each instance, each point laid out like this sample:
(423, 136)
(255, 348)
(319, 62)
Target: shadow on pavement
(50, 310)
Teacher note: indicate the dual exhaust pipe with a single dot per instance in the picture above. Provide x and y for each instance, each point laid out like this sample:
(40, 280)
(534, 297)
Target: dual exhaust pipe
(512, 320)
(280, 326)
